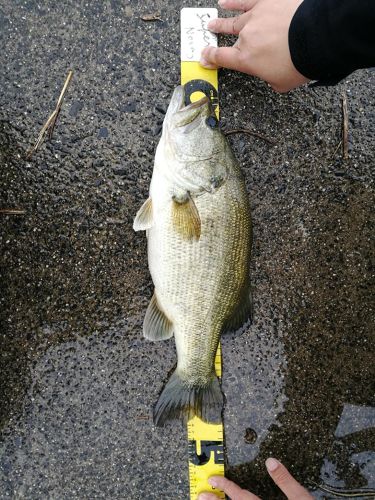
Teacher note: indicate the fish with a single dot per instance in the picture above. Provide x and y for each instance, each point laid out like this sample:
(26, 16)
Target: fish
(198, 227)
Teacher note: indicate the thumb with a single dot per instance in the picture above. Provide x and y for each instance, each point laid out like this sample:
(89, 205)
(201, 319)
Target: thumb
(286, 482)
(225, 57)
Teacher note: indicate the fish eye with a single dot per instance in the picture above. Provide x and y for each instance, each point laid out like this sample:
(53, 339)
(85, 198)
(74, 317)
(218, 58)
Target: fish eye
(212, 122)
(216, 181)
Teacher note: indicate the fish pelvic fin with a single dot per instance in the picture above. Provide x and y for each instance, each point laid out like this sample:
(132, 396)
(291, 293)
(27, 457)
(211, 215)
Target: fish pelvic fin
(179, 400)
(143, 220)
(185, 218)
(156, 325)
(242, 312)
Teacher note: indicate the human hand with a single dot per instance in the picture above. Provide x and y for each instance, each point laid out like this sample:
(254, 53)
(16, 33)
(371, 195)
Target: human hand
(262, 47)
(284, 480)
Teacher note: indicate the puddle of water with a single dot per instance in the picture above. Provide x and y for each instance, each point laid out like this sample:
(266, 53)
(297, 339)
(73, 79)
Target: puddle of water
(85, 423)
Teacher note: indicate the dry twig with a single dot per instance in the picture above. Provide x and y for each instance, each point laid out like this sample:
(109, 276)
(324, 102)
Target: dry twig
(345, 127)
(48, 127)
(337, 148)
(151, 17)
(12, 211)
(348, 493)
(250, 132)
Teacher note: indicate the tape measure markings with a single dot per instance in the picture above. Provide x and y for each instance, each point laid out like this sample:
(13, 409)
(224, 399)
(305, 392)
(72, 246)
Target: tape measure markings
(205, 441)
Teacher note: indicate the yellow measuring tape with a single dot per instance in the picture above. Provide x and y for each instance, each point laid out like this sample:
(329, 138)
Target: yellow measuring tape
(206, 441)
(206, 450)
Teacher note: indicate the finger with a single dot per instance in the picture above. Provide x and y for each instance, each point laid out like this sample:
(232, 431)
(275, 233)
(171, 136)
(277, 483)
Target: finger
(285, 481)
(227, 25)
(226, 57)
(231, 489)
(207, 496)
(243, 5)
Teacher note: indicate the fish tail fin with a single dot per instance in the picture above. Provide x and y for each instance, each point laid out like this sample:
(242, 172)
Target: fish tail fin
(181, 400)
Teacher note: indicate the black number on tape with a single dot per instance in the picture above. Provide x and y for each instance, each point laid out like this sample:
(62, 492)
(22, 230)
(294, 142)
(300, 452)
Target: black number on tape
(201, 86)
(207, 447)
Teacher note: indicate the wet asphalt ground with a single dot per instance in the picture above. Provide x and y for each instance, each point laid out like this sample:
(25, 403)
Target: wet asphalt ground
(78, 381)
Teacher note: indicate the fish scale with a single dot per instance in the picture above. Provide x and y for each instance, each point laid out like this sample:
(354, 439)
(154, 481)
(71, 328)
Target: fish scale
(197, 282)
(198, 227)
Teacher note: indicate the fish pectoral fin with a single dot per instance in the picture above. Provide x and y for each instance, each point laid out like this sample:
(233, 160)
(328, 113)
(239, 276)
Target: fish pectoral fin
(185, 218)
(143, 220)
(242, 312)
(156, 325)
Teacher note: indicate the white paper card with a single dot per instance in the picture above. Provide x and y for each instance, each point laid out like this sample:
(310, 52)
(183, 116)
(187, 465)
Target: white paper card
(194, 33)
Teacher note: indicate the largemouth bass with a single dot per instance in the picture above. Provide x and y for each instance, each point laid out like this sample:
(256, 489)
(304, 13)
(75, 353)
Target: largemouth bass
(197, 221)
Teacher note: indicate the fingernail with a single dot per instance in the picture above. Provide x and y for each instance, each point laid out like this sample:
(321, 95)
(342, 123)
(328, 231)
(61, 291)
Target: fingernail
(212, 481)
(272, 464)
(211, 25)
(203, 61)
(204, 496)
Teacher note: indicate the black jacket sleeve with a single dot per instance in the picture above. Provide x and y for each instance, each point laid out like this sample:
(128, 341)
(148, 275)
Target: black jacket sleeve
(329, 39)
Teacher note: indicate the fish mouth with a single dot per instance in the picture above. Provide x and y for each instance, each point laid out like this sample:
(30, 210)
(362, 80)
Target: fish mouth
(192, 105)
(178, 103)
(187, 115)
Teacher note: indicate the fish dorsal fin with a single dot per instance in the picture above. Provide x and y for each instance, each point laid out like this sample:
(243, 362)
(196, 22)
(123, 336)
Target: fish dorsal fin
(185, 218)
(156, 325)
(242, 312)
(143, 219)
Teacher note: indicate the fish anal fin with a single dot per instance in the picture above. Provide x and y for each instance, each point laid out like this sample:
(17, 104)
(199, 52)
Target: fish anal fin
(185, 218)
(143, 219)
(156, 325)
(242, 312)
